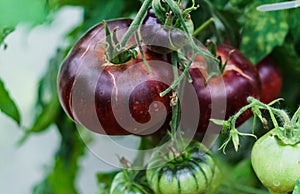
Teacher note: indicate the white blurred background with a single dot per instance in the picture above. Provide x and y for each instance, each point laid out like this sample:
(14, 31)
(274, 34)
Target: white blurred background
(21, 65)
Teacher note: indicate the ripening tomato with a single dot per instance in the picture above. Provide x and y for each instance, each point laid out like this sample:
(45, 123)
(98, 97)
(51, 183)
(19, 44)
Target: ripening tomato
(190, 171)
(130, 182)
(277, 165)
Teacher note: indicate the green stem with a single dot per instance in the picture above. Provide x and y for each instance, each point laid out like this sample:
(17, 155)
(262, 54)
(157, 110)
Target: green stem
(203, 26)
(282, 114)
(136, 22)
(183, 66)
(296, 115)
(241, 111)
(177, 81)
(176, 9)
(190, 9)
(142, 53)
(175, 111)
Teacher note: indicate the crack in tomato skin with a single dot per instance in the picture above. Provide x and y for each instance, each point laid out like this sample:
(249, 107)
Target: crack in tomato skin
(96, 93)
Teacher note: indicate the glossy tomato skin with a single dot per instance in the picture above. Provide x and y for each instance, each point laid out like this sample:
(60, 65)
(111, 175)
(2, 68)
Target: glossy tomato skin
(114, 99)
(276, 164)
(193, 172)
(271, 79)
(160, 38)
(130, 183)
(238, 81)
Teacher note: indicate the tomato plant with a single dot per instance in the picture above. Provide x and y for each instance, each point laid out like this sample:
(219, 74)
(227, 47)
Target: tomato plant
(124, 71)
(275, 155)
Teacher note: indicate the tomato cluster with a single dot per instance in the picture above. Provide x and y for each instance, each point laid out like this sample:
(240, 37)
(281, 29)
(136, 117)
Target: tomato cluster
(121, 99)
(116, 89)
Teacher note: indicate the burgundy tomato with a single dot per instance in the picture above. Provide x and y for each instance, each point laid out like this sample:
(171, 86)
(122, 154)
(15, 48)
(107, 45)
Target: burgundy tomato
(271, 79)
(239, 80)
(114, 99)
(160, 38)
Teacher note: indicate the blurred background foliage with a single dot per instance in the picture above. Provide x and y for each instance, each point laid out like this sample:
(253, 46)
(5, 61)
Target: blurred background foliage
(256, 34)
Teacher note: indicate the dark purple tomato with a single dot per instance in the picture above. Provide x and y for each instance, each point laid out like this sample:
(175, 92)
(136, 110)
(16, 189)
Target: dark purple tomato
(223, 95)
(271, 80)
(161, 38)
(114, 99)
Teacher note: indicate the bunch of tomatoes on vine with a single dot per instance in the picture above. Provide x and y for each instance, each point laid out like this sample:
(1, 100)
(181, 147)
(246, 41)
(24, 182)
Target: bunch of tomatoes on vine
(152, 78)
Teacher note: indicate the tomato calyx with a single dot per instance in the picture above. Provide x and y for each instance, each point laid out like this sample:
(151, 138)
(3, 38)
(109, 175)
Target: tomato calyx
(164, 12)
(115, 53)
(289, 134)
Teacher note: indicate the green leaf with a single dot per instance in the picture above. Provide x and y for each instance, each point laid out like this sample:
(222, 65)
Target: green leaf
(218, 121)
(46, 117)
(297, 187)
(293, 19)
(287, 55)
(239, 3)
(13, 12)
(219, 4)
(7, 104)
(43, 120)
(263, 31)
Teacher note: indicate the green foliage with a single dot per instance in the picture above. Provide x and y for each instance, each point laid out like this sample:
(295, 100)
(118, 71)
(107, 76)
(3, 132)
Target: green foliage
(13, 12)
(7, 104)
(263, 31)
(237, 22)
(61, 178)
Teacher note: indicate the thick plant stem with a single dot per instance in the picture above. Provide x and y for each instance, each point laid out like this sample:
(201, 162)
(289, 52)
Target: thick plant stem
(136, 22)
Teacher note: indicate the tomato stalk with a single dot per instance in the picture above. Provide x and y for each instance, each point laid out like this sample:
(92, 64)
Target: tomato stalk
(136, 22)
(288, 134)
(203, 26)
(176, 9)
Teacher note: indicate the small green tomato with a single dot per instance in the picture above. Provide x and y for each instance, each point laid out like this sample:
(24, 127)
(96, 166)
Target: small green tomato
(276, 164)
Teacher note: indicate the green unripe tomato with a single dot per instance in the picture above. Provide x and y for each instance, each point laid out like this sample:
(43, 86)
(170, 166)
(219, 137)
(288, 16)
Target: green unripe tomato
(190, 173)
(215, 182)
(124, 184)
(276, 165)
